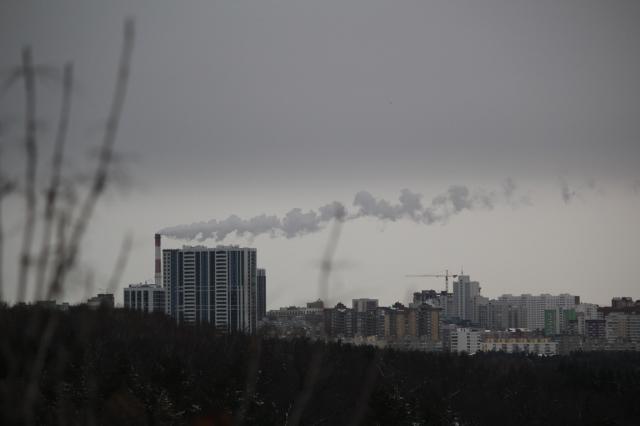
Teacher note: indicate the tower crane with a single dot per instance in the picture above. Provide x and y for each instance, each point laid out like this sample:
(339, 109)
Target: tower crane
(446, 277)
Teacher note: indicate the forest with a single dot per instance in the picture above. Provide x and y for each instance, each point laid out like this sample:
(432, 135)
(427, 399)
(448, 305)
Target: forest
(127, 368)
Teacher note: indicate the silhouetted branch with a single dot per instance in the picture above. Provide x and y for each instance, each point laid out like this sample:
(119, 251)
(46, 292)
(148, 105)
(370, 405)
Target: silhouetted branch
(6, 186)
(102, 170)
(121, 263)
(315, 365)
(56, 168)
(30, 170)
(327, 258)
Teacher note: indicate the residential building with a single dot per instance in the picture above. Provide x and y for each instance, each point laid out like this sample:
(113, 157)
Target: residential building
(105, 300)
(623, 302)
(365, 317)
(339, 321)
(312, 309)
(145, 297)
(586, 312)
(262, 293)
(464, 290)
(465, 340)
(534, 306)
(215, 285)
(560, 321)
(622, 327)
(480, 309)
(595, 329)
(501, 315)
(393, 322)
(533, 345)
(441, 300)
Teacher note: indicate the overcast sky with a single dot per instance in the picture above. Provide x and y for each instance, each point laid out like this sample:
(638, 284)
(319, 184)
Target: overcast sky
(260, 107)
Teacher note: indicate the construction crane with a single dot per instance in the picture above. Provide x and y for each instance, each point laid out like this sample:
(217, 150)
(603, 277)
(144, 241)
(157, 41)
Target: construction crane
(446, 276)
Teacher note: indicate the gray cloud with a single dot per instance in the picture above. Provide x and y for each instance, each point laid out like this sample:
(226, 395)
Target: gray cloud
(296, 222)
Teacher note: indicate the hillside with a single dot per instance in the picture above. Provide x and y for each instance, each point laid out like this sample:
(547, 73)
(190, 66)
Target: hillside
(121, 367)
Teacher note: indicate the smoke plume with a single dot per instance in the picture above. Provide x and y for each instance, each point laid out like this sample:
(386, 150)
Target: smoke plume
(296, 222)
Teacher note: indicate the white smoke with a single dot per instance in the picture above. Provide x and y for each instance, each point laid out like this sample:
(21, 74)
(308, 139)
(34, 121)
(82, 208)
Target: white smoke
(297, 222)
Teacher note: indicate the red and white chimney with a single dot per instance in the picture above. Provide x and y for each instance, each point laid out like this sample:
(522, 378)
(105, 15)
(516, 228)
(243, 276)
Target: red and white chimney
(158, 266)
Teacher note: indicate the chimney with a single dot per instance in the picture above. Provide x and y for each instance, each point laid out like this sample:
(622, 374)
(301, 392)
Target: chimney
(158, 265)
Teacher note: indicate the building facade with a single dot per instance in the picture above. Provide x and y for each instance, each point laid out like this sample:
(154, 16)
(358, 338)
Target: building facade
(145, 297)
(442, 300)
(541, 346)
(464, 292)
(502, 315)
(534, 306)
(365, 317)
(465, 340)
(215, 285)
(339, 321)
(101, 300)
(262, 293)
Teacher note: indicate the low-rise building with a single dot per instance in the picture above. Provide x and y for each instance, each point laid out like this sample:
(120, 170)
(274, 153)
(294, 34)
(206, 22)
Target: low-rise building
(534, 345)
(105, 300)
(145, 297)
(465, 340)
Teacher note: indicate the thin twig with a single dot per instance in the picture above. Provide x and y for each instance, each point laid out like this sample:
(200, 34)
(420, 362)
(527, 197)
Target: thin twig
(102, 170)
(62, 224)
(56, 168)
(318, 354)
(121, 263)
(30, 170)
(5, 187)
(327, 259)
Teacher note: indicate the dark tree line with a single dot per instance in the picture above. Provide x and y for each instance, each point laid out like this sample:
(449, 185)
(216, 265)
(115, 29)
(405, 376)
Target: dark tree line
(122, 367)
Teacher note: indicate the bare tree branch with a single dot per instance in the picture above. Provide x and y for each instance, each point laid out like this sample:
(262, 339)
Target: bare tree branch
(6, 186)
(102, 170)
(30, 169)
(121, 263)
(315, 365)
(56, 168)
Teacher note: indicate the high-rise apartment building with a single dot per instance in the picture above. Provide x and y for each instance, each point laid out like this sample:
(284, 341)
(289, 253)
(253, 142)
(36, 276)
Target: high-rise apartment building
(623, 327)
(534, 306)
(216, 285)
(502, 315)
(595, 329)
(480, 311)
(442, 300)
(262, 294)
(365, 318)
(464, 290)
(339, 321)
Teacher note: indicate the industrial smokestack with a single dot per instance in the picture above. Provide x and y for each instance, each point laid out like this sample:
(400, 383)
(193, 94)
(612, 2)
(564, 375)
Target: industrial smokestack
(158, 263)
